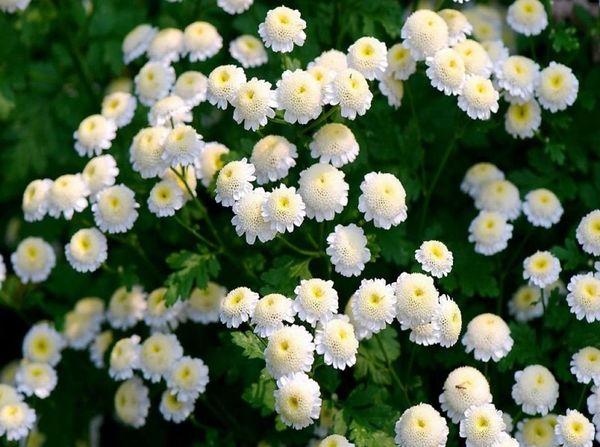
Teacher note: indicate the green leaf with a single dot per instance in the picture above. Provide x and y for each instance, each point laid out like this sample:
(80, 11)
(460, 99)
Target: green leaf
(192, 270)
(260, 394)
(284, 275)
(373, 355)
(564, 39)
(525, 350)
(570, 255)
(556, 151)
(251, 345)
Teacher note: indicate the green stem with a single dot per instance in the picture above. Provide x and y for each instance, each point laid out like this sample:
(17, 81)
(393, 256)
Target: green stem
(194, 232)
(320, 120)
(584, 391)
(310, 253)
(390, 368)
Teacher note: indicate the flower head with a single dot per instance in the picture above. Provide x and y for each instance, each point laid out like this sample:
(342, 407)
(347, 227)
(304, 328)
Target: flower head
(36, 379)
(248, 51)
(482, 425)
(478, 175)
(459, 26)
(535, 389)
(237, 307)
(192, 87)
(248, 219)
(234, 6)
(449, 321)
(424, 33)
(289, 350)
(146, 151)
(526, 303)
(187, 378)
(132, 402)
(316, 300)
(518, 75)
(158, 353)
(464, 387)
(478, 97)
(43, 344)
(557, 87)
(270, 313)
(369, 56)
(541, 269)
(223, 84)
(401, 64)
(584, 296)
(585, 365)
(119, 108)
(173, 408)
(126, 307)
(35, 199)
(297, 400)
(373, 305)
(209, 161)
(335, 339)
(334, 143)
(203, 305)
(523, 120)
(233, 181)
(124, 358)
(299, 95)
(33, 260)
(417, 299)
(282, 29)
(99, 173)
(588, 233)
(115, 210)
(201, 41)
(67, 195)
(166, 46)
(87, 250)
(542, 208)
(383, 200)
(421, 426)
(137, 41)
(166, 197)
(323, 190)
(490, 232)
(153, 82)
(16, 420)
(254, 104)
(574, 430)
(435, 258)
(446, 70)
(527, 17)
(347, 248)
(272, 157)
(350, 90)
(284, 209)
(488, 337)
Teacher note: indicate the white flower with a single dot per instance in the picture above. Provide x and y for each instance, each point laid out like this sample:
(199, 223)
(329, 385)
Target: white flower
(182, 146)
(527, 17)
(518, 75)
(535, 389)
(299, 96)
(425, 334)
(173, 408)
(335, 339)
(334, 441)
(335, 60)
(223, 84)
(248, 219)
(203, 305)
(490, 232)
(137, 41)
(119, 107)
(458, 25)
(424, 32)
(99, 346)
(435, 258)
(421, 426)
(124, 358)
(159, 315)
(557, 87)
(542, 208)
(166, 46)
(248, 51)
(585, 365)
(488, 337)
(334, 143)
(237, 307)
(284, 209)
(209, 161)
(254, 104)
(80, 328)
(188, 378)
(584, 296)
(146, 151)
(593, 404)
(477, 61)
(94, 134)
(157, 354)
(11, 6)
(165, 198)
(541, 269)
(322, 75)
(289, 350)
(99, 173)
(324, 191)
(43, 344)
(537, 432)
(16, 420)
(574, 430)
(392, 89)
(282, 29)
(347, 248)
(184, 178)
(449, 321)
(416, 299)
(446, 70)
(115, 210)
(478, 175)
(35, 199)
(132, 402)
(67, 195)
(8, 394)
(526, 304)
(351, 91)
(368, 56)
(270, 313)
(234, 6)
(373, 305)
(316, 300)
(33, 260)
(478, 97)
(153, 82)
(201, 40)
(482, 425)
(170, 111)
(588, 233)
(126, 307)
(86, 250)
(233, 181)
(401, 64)
(192, 87)
(496, 50)
(382, 200)
(272, 157)
(463, 388)
(34, 378)
(297, 400)
(523, 120)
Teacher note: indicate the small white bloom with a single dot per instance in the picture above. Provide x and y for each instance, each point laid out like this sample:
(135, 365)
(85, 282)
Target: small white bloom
(203, 305)
(350, 90)
(535, 389)
(34, 378)
(496, 50)
(421, 426)
(526, 304)
(574, 430)
(523, 120)
(94, 135)
(233, 181)
(35, 199)
(234, 6)
(201, 41)
(458, 25)
(153, 82)
(347, 248)
(99, 347)
(166, 46)
(282, 29)
(270, 313)
(478, 175)
(248, 219)
(401, 64)
(87, 250)
(336, 341)
(272, 157)
(289, 350)
(392, 89)
(170, 111)
(99, 173)
(248, 51)
(369, 56)
(518, 75)
(298, 400)
(137, 41)
(482, 425)
(316, 300)
(488, 337)
(299, 96)
(254, 104)
(490, 232)
(188, 378)
(223, 84)
(132, 402)
(209, 161)
(124, 358)
(435, 258)
(165, 198)
(126, 307)
(237, 307)
(146, 151)
(324, 191)
(67, 195)
(584, 296)
(557, 87)
(477, 61)
(374, 305)
(585, 365)
(16, 420)
(157, 354)
(119, 107)
(541, 269)
(43, 344)
(449, 321)
(33, 260)
(182, 146)
(464, 387)
(417, 299)
(424, 32)
(527, 17)
(284, 209)
(192, 87)
(588, 233)
(478, 97)
(115, 210)
(425, 334)
(382, 200)
(159, 315)
(446, 70)
(542, 208)
(334, 143)
(173, 408)
(335, 60)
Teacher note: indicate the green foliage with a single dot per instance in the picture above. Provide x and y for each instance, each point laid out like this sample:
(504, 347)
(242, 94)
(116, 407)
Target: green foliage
(251, 345)
(192, 270)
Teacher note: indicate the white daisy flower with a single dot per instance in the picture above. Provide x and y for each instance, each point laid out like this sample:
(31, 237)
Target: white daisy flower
(126, 307)
(478, 97)
(477, 61)
(43, 344)
(153, 82)
(233, 181)
(254, 104)
(282, 29)
(416, 299)
(481, 425)
(392, 89)
(588, 233)
(182, 146)
(99, 173)
(87, 250)
(137, 41)
(458, 25)
(435, 258)
(541, 269)
(165, 198)
(421, 426)
(488, 337)
(234, 6)
(210, 161)
(316, 300)
(237, 307)
(223, 84)
(374, 305)
(401, 64)
(584, 296)
(8, 394)
(324, 191)
(188, 378)
(270, 313)
(146, 151)
(203, 305)
(157, 354)
(449, 321)
(334, 143)
(99, 347)
(585, 365)
(159, 315)
(248, 51)
(496, 50)
(333, 59)
(557, 87)
(523, 120)
(518, 75)
(132, 402)
(201, 41)
(424, 32)
(192, 87)
(527, 17)
(299, 96)
(382, 200)
(35, 200)
(272, 157)
(574, 430)
(350, 90)
(174, 409)
(542, 208)
(535, 389)
(284, 209)
(16, 420)
(335, 441)
(36, 379)
(119, 107)
(12, 6)
(289, 350)
(464, 387)
(368, 56)
(80, 328)
(33, 260)
(166, 46)
(336, 341)
(526, 304)
(94, 135)
(124, 358)
(446, 70)
(67, 195)
(298, 400)
(169, 112)
(478, 175)
(115, 210)
(425, 334)
(490, 232)
(248, 219)
(347, 249)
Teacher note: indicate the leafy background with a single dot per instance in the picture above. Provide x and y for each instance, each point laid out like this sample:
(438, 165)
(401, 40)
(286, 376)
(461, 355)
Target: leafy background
(56, 59)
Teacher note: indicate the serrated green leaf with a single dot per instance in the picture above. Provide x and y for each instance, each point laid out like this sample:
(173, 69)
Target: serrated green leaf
(251, 345)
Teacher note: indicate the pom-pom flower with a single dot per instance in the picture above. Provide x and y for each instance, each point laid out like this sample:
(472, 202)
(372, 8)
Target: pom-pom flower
(223, 84)
(458, 25)
(16, 420)
(33, 260)
(158, 353)
(542, 208)
(369, 56)
(233, 181)
(43, 344)
(169, 111)
(421, 426)
(284, 209)
(527, 17)
(316, 300)
(297, 400)
(536, 432)
(132, 402)
(347, 248)
(203, 305)
(99, 173)
(535, 389)
(478, 175)
(324, 191)
(173, 408)
(209, 161)
(166, 46)
(496, 50)
(165, 198)
(482, 425)
(526, 304)
(289, 350)
(490, 232)
(417, 299)
(350, 90)
(234, 6)
(115, 210)
(478, 97)
(119, 108)
(299, 96)
(192, 87)
(523, 120)
(401, 64)
(449, 322)
(424, 32)
(137, 41)
(574, 430)
(518, 76)
(584, 296)
(464, 387)
(488, 337)
(248, 51)
(373, 305)
(270, 313)
(187, 378)
(392, 89)
(254, 104)
(477, 61)
(201, 41)
(146, 151)
(248, 219)
(272, 157)
(153, 82)
(99, 347)
(334, 143)
(282, 29)
(335, 60)
(36, 379)
(87, 250)
(588, 233)
(126, 307)
(557, 87)
(182, 146)
(237, 307)
(67, 195)
(159, 315)
(335, 339)
(446, 70)
(541, 269)
(383, 200)
(585, 365)
(435, 258)
(35, 200)
(124, 358)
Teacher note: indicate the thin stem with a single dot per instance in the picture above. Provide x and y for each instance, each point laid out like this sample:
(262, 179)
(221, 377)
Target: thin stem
(390, 367)
(194, 232)
(320, 120)
(312, 254)
(413, 111)
(584, 391)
